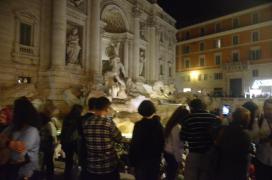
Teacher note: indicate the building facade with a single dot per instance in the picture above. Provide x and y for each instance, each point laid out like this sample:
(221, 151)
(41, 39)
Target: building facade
(226, 56)
(50, 45)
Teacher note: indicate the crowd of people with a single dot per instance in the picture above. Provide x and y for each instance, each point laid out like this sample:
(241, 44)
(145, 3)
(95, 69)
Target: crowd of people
(239, 150)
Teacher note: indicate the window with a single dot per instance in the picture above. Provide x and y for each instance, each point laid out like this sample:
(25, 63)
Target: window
(218, 76)
(161, 69)
(202, 31)
(255, 36)
(255, 54)
(235, 56)
(205, 78)
(187, 63)
(201, 46)
(199, 77)
(255, 73)
(235, 22)
(217, 59)
(235, 40)
(25, 34)
(202, 61)
(217, 43)
(218, 92)
(217, 27)
(186, 49)
(255, 18)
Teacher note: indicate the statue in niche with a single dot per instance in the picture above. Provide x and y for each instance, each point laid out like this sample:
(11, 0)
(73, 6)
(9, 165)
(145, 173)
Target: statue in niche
(142, 31)
(142, 62)
(73, 48)
(115, 74)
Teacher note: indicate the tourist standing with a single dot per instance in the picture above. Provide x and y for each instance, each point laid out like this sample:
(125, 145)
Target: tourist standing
(24, 141)
(147, 143)
(264, 145)
(234, 146)
(173, 148)
(100, 134)
(70, 138)
(197, 131)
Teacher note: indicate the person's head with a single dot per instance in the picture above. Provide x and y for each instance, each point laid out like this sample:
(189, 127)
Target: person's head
(76, 111)
(102, 106)
(197, 105)
(49, 108)
(241, 117)
(176, 118)
(146, 108)
(267, 108)
(24, 113)
(253, 109)
(92, 104)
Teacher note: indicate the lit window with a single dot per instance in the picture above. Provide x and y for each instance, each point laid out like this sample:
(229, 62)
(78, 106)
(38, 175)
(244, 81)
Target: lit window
(218, 43)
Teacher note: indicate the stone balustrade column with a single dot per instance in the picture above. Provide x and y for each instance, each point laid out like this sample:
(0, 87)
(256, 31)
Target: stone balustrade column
(58, 45)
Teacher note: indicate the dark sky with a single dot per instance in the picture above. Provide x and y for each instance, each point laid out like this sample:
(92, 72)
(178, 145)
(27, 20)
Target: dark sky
(188, 12)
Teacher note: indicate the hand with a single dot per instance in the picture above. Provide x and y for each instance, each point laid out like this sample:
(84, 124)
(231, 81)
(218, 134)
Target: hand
(17, 146)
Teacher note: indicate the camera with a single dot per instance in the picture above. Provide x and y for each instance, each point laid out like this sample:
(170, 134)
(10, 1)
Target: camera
(226, 110)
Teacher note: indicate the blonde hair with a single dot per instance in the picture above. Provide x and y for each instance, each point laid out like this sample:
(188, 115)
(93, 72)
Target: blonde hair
(241, 116)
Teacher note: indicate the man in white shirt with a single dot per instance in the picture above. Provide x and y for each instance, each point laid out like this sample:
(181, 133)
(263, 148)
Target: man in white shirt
(264, 147)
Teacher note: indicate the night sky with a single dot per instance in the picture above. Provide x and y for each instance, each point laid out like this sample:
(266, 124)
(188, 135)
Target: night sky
(188, 12)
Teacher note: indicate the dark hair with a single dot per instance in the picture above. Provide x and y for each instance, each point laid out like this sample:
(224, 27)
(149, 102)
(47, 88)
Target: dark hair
(177, 117)
(146, 108)
(253, 108)
(75, 111)
(92, 103)
(24, 113)
(102, 103)
(196, 105)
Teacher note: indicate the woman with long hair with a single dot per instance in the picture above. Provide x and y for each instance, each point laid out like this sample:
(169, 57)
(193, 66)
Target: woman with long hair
(24, 140)
(70, 137)
(173, 148)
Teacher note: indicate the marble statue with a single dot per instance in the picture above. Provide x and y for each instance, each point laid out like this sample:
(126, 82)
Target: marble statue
(141, 62)
(73, 47)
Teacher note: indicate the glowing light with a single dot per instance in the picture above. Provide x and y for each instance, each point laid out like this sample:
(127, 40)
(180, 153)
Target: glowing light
(187, 90)
(194, 74)
(258, 83)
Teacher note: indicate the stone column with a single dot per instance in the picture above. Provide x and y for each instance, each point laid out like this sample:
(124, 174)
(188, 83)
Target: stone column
(58, 43)
(153, 47)
(136, 14)
(57, 77)
(95, 39)
(126, 55)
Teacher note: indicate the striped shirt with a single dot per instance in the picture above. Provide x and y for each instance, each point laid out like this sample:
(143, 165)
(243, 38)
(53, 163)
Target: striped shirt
(197, 131)
(100, 133)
